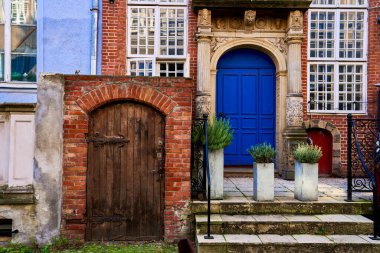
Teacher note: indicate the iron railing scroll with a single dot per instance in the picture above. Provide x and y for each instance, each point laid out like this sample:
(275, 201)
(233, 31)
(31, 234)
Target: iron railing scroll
(200, 169)
(363, 162)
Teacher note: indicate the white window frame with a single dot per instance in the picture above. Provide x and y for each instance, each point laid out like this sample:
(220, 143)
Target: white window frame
(336, 36)
(7, 82)
(337, 4)
(157, 57)
(336, 60)
(335, 109)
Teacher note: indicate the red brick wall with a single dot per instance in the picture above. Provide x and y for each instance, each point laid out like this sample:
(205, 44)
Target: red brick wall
(114, 22)
(373, 71)
(172, 97)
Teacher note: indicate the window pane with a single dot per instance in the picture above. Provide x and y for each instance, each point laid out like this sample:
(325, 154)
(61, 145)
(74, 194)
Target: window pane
(351, 35)
(172, 31)
(23, 12)
(324, 2)
(172, 69)
(321, 86)
(321, 42)
(142, 31)
(350, 87)
(24, 39)
(141, 67)
(1, 41)
(23, 67)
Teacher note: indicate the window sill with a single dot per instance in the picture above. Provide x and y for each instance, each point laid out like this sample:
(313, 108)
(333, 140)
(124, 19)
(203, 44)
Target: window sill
(16, 195)
(18, 85)
(337, 113)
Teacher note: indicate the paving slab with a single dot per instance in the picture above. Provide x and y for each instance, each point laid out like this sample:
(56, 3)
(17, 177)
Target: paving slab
(280, 239)
(346, 239)
(311, 239)
(242, 239)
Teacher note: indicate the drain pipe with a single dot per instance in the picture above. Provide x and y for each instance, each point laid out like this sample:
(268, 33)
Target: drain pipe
(94, 36)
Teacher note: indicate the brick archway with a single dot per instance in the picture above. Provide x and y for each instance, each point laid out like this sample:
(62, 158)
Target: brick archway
(321, 124)
(109, 93)
(170, 96)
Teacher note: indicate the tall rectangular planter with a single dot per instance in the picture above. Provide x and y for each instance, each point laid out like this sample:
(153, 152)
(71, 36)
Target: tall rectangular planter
(263, 181)
(216, 164)
(306, 181)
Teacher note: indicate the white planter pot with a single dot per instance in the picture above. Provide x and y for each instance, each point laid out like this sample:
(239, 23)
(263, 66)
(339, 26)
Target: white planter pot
(306, 181)
(216, 164)
(263, 181)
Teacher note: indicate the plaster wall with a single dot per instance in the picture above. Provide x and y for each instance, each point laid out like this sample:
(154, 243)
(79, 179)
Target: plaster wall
(48, 156)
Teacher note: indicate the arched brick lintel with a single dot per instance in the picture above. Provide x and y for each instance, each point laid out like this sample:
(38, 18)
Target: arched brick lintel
(321, 124)
(114, 92)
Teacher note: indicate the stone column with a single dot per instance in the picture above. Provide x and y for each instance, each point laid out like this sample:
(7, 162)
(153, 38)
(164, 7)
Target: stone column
(295, 131)
(203, 98)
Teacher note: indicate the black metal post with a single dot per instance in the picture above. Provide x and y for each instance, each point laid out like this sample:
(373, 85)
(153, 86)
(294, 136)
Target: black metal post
(349, 157)
(375, 206)
(208, 236)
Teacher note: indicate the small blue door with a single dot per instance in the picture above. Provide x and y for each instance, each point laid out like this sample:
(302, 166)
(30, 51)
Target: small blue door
(246, 96)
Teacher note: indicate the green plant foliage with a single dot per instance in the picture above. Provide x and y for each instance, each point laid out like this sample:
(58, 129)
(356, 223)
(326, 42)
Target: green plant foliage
(305, 153)
(219, 134)
(262, 153)
(62, 245)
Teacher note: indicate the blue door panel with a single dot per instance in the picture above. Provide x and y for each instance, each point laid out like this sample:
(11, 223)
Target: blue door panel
(249, 123)
(249, 86)
(230, 94)
(246, 96)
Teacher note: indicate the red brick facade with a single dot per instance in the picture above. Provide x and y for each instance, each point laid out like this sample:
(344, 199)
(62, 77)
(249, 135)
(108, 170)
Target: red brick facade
(172, 97)
(373, 77)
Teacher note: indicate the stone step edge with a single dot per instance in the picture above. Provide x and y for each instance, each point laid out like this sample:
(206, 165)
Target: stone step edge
(283, 207)
(291, 240)
(214, 220)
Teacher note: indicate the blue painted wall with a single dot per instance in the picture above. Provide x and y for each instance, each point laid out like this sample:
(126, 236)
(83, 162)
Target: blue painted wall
(64, 36)
(64, 43)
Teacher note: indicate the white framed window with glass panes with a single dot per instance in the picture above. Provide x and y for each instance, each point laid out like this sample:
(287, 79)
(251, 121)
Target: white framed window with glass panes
(18, 41)
(157, 38)
(337, 56)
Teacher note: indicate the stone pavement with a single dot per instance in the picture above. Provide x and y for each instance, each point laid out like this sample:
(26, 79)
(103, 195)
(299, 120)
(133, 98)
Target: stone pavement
(330, 190)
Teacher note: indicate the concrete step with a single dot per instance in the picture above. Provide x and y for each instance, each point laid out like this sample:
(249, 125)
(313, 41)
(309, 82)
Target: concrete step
(245, 206)
(326, 224)
(272, 243)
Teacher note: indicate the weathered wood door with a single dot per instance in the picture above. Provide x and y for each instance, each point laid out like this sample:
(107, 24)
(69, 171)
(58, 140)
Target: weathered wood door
(125, 178)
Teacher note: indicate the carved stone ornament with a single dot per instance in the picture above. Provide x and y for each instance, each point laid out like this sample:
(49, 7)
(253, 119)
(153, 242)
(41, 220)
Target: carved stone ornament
(294, 112)
(281, 45)
(249, 18)
(236, 23)
(217, 42)
(261, 22)
(296, 20)
(203, 105)
(221, 24)
(204, 17)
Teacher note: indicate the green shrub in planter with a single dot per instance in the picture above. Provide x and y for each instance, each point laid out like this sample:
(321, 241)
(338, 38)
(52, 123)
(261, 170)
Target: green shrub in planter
(219, 134)
(262, 153)
(305, 153)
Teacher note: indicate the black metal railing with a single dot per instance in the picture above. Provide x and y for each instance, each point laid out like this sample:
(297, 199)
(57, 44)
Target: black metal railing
(200, 169)
(363, 162)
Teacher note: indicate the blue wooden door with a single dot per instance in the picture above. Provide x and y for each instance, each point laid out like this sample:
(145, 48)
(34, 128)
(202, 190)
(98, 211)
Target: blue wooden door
(246, 96)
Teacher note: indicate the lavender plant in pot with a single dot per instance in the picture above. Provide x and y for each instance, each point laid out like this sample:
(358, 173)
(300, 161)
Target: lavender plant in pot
(263, 171)
(306, 172)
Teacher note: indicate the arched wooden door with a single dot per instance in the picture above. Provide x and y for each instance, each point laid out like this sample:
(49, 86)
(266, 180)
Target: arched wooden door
(323, 139)
(125, 176)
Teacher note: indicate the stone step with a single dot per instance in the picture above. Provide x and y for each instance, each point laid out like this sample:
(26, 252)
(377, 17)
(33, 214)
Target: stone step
(326, 224)
(277, 207)
(272, 243)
